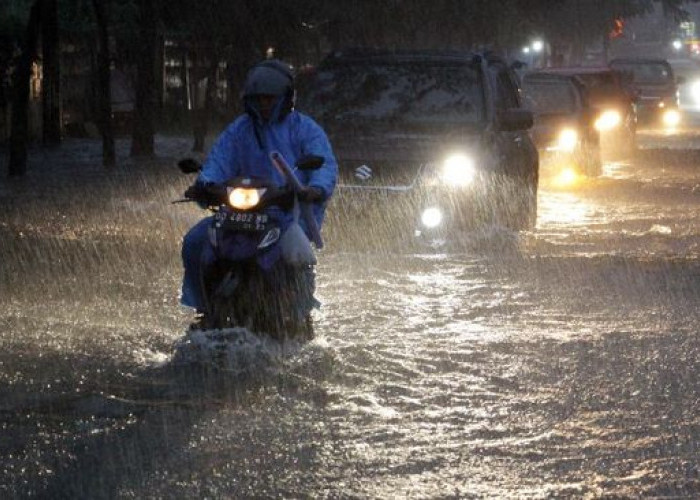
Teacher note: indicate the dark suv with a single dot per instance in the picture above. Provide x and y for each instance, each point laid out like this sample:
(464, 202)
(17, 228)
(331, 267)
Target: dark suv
(439, 139)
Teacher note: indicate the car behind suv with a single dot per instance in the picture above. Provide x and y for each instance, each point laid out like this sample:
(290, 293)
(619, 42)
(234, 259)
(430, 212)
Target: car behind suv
(437, 140)
(565, 123)
(609, 94)
(655, 84)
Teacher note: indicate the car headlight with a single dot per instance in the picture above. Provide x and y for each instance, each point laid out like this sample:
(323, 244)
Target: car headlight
(244, 198)
(431, 217)
(608, 120)
(671, 117)
(458, 170)
(567, 140)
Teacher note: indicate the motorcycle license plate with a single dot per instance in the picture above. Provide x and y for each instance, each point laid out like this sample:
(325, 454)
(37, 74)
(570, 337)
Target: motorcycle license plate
(243, 221)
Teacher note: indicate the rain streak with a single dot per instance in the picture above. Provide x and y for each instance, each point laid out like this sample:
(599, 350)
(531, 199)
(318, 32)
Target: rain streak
(545, 350)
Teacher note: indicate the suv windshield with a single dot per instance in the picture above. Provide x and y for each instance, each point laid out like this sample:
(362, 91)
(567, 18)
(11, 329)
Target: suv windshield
(392, 93)
(549, 96)
(646, 72)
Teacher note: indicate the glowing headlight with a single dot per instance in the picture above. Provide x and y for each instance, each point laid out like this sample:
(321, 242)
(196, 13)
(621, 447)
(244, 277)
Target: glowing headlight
(608, 120)
(568, 139)
(567, 177)
(458, 170)
(244, 198)
(671, 117)
(431, 217)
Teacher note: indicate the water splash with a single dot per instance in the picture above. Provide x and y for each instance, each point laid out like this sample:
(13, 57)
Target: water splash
(233, 350)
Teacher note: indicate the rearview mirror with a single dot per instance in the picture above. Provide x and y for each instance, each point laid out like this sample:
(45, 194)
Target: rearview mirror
(514, 119)
(310, 162)
(189, 166)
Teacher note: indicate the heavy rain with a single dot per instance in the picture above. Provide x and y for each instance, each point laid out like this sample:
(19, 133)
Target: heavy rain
(527, 328)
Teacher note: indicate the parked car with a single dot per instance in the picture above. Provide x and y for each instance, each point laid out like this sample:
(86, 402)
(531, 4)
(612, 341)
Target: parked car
(614, 102)
(564, 123)
(657, 89)
(443, 134)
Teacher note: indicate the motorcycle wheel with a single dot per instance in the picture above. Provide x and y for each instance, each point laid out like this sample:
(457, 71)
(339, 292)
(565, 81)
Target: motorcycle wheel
(264, 304)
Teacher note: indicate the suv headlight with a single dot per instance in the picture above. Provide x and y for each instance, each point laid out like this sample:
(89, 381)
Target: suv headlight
(567, 140)
(431, 217)
(458, 170)
(608, 120)
(671, 118)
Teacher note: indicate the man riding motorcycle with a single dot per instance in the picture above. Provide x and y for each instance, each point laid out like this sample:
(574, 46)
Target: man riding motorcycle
(269, 124)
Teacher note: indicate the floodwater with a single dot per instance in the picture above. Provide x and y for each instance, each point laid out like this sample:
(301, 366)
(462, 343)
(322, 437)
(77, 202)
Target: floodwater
(562, 362)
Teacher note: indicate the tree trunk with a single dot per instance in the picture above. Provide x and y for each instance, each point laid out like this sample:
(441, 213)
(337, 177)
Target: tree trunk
(185, 78)
(144, 110)
(50, 89)
(20, 103)
(105, 86)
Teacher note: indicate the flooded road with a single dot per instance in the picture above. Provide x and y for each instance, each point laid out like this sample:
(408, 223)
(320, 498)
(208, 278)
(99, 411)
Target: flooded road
(563, 362)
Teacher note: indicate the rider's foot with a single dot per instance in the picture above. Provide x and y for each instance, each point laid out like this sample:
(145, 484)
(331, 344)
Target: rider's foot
(199, 323)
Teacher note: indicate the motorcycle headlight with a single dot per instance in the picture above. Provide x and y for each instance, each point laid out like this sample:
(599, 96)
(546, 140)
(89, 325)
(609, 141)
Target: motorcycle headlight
(244, 198)
(671, 118)
(458, 170)
(567, 140)
(608, 120)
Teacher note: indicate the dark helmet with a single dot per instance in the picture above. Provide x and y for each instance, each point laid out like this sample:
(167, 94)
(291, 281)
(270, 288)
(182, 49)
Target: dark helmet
(270, 77)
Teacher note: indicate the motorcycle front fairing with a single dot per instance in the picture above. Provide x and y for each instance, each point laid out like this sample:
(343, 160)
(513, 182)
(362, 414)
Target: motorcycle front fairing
(242, 235)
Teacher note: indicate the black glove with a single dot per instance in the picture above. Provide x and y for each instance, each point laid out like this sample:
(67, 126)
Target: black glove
(310, 194)
(206, 194)
(195, 192)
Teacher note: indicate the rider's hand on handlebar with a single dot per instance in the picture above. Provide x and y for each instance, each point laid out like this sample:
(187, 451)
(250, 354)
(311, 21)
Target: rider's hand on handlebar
(195, 192)
(206, 194)
(310, 194)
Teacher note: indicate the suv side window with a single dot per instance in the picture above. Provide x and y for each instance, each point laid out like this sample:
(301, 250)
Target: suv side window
(507, 92)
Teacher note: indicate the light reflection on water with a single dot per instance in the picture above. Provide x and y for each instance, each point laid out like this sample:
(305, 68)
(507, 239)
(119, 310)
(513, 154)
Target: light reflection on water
(561, 362)
(564, 210)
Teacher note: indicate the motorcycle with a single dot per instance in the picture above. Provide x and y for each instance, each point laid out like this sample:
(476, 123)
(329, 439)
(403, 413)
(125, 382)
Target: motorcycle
(258, 272)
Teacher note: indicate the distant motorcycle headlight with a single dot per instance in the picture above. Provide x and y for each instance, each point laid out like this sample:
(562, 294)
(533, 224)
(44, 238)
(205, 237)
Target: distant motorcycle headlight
(244, 198)
(567, 140)
(608, 120)
(671, 118)
(458, 170)
(431, 217)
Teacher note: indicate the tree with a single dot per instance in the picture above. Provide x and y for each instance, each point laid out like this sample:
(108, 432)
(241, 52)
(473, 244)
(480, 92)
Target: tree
(142, 139)
(104, 79)
(51, 74)
(19, 135)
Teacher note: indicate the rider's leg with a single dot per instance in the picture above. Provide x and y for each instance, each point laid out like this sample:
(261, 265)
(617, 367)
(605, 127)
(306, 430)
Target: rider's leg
(193, 245)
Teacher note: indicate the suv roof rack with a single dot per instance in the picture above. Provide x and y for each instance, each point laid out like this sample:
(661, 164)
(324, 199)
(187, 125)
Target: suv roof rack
(351, 55)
